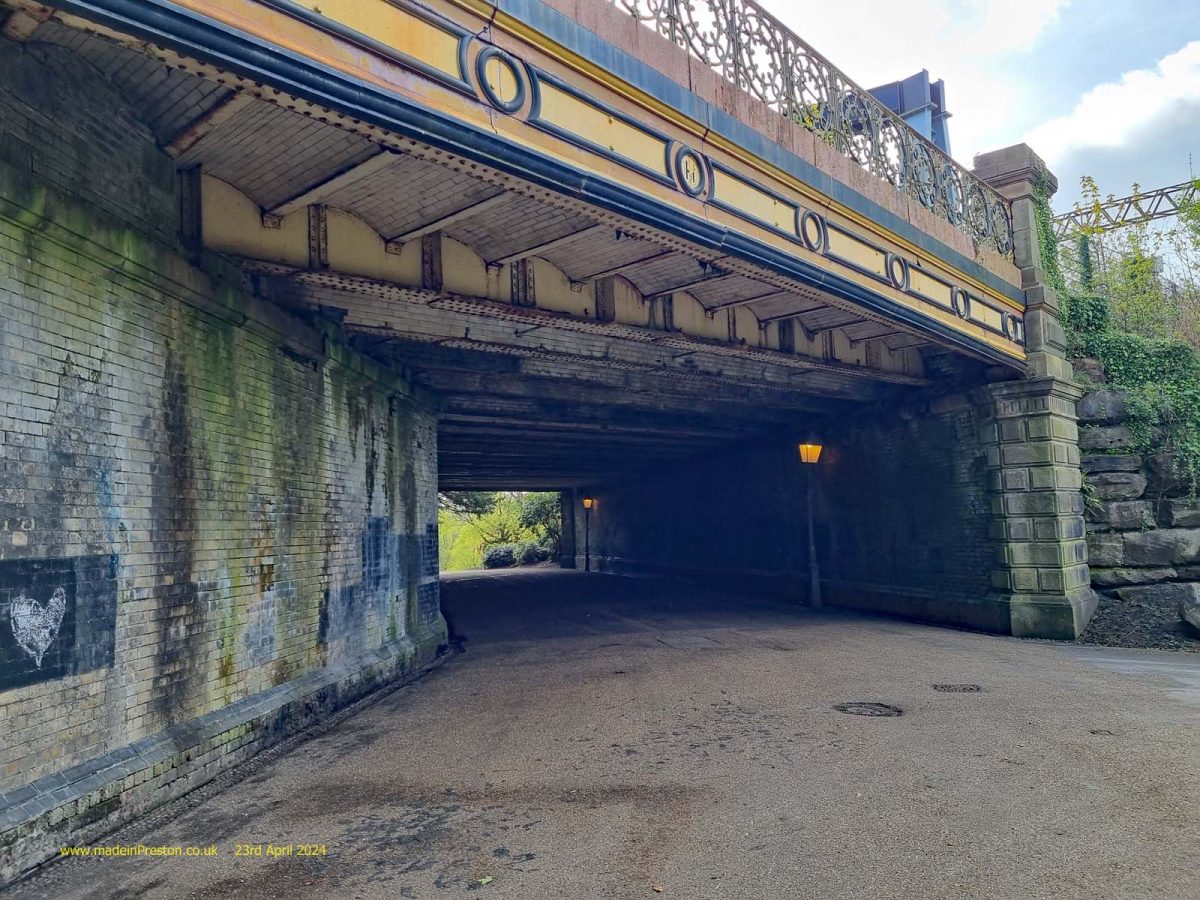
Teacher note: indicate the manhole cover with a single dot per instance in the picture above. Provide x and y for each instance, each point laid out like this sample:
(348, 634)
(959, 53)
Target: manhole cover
(957, 688)
(860, 708)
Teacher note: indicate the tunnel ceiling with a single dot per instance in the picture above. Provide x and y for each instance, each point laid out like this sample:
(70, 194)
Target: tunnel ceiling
(529, 397)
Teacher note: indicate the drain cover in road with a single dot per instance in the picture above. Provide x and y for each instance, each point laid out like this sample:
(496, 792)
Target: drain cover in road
(862, 708)
(958, 688)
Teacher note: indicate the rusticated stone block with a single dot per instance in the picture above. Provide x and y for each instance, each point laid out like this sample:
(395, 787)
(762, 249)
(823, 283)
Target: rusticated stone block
(1118, 485)
(1164, 478)
(1111, 462)
(1121, 515)
(1105, 437)
(1179, 513)
(1102, 407)
(1106, 549)
(1121, 577)
(1164, 547)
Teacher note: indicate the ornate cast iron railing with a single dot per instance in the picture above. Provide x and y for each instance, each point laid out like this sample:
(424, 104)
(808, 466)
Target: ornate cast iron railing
(751, 48)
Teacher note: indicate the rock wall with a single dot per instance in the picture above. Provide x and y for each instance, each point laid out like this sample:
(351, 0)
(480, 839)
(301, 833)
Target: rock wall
(1143, 527)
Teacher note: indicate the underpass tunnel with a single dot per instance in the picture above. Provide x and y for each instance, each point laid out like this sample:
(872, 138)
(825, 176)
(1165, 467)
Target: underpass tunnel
(262, 301)
(899, 496)
(649, 346)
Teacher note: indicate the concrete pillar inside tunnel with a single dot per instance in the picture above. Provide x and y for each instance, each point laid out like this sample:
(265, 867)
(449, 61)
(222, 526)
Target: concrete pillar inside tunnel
(566, 505)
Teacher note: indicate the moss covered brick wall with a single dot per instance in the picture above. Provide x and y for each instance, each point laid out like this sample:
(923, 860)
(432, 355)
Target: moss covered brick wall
(215, 521)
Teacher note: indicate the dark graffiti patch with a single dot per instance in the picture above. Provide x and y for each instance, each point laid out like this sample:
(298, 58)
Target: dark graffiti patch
(57, 617)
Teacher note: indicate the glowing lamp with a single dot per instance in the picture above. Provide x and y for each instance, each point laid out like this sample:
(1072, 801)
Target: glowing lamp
(810, 452)
(588, 502)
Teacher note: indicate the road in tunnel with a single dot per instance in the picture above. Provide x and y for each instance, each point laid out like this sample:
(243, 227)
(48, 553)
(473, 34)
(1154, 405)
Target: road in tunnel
(607, 737)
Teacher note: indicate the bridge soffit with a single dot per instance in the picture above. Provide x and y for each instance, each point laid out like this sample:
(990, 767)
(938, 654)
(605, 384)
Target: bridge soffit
(781, 238)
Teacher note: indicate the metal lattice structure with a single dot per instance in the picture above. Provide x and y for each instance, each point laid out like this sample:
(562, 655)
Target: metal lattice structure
(1132, 210)
(755, 51)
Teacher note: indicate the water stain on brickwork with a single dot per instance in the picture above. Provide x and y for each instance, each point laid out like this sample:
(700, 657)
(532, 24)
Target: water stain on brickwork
(73, 463)
(173, 530)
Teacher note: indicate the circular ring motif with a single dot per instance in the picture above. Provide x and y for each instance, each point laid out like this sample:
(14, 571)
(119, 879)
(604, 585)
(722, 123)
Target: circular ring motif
(953, 199)
(978, 219)
(897, 270)
(1001, 228)
(1012, 327)
(500, 79)
(961, 301)
(690, 171)
(813, 232)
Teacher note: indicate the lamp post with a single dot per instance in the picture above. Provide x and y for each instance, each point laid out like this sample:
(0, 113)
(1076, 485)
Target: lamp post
(810, 452)
(588, 503)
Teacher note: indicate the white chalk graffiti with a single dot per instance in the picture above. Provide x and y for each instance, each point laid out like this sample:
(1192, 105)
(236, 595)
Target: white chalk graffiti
(35, 626)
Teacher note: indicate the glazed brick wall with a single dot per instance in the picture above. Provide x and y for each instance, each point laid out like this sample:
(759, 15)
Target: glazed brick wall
(248, 503)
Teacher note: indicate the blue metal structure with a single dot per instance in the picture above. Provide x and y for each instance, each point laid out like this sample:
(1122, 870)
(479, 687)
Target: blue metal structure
(922, 105)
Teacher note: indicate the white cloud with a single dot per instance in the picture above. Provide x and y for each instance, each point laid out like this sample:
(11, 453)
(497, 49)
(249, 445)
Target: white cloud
(1109, 114)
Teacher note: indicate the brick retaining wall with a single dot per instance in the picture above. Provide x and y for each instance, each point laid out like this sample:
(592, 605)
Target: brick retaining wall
(216, 522)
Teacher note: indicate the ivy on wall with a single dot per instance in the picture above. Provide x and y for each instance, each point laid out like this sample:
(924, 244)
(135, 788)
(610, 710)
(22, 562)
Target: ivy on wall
(1047, 243)
(1161, 377)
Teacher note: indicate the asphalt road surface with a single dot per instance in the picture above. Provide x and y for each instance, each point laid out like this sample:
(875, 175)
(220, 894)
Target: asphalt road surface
(603, 737)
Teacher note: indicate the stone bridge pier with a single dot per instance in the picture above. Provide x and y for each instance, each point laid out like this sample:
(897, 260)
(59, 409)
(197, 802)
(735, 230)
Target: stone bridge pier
(274, 273)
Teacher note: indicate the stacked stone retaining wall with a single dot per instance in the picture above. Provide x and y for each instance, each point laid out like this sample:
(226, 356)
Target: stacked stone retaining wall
(1143, 522)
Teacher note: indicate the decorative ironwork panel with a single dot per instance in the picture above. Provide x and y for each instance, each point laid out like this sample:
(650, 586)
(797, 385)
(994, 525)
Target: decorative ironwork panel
(755, 51)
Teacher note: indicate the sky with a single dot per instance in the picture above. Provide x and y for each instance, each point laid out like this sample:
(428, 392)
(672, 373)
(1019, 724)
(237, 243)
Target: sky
(1106, 88)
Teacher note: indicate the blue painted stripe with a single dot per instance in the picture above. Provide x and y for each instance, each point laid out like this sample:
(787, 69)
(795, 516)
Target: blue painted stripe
(164, 23)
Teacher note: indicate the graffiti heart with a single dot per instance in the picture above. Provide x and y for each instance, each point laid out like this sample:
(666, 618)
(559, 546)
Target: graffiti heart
(35, 626)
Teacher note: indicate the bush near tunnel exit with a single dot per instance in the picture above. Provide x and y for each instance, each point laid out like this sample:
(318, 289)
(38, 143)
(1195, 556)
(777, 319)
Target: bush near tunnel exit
(502, 556)
(525, 553)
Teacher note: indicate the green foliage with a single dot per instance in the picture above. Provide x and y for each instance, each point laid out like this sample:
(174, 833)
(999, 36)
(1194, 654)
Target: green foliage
(1047, 245)
(512, 520)
(468, 503)
(459, 544)
(1162, 380)
(541, 513)
(1148, 271)
(1087, 269)
(501, 556)
(1133, 326)
(528, 553)
(1084, 316)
